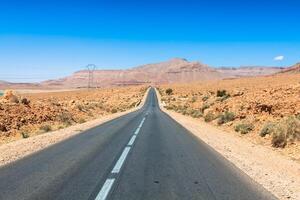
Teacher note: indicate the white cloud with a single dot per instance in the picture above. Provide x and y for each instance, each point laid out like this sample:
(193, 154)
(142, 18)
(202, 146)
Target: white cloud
(279, 58)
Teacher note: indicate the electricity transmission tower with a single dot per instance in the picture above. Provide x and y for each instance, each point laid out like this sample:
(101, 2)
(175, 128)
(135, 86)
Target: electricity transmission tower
(91, 68)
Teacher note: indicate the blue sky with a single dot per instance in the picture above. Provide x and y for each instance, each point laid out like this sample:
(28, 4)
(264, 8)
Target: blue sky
(49, 39)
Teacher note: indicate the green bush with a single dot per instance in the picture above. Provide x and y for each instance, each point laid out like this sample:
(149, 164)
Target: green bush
(209, 117)
(226, 117)
(46, 128)
(169, 91)
(244, 128)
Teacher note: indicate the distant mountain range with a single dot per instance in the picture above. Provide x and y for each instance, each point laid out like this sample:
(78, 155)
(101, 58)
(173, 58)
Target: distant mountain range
(176, 70)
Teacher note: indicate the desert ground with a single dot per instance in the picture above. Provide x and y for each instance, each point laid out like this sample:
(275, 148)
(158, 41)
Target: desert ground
(23, 115)
(263, 110)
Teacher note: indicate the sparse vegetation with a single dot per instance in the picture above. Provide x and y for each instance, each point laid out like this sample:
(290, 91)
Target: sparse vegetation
(266, 102)
(194, 99)
(286, 131)
(244, 128)
(46, 128)
(221, 93)
(81, 121)
(196, 114)
(267, 129)
(226, 117)
(169, 91)
(114, 110)
(209, 117)
(65, 118)
(25, 134)
(205, 98)
(204, 107)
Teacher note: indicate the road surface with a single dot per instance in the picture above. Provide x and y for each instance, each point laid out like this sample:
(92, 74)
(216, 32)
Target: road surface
(142, 155)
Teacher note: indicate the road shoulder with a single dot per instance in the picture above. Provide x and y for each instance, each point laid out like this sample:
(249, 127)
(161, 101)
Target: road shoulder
(278, 174)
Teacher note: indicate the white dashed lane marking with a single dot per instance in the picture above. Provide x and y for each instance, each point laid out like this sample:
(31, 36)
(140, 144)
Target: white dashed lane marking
(121, 160)
(131, 141)
(105, 189)
(104, 192)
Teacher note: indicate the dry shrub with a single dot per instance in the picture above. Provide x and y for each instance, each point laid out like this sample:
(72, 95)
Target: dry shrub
(169, 91)
(114, 110)
(267, 129)
(45, 128)
(286, 131)
(81, 121)
(65, 118)
(204, 107)
(244, 128)
(196, 114)
(209, 117)
(226, 117)
(25, 134)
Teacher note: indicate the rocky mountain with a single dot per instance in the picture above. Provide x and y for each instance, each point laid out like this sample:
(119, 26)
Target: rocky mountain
(174, 70)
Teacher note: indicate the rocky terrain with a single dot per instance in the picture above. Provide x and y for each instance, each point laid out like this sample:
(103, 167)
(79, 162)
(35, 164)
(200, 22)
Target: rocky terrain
(22, 116)
(266, 110)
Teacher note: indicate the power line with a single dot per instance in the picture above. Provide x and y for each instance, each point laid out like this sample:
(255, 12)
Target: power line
(91, 68)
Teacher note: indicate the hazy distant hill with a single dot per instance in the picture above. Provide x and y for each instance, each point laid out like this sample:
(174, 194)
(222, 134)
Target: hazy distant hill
(8, 85)
(176, 70)
(246, 71)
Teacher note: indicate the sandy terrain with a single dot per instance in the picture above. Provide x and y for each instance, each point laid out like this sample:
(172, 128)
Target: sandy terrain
(277, 173)
(12, 151)
(26, 115)
(264, 110)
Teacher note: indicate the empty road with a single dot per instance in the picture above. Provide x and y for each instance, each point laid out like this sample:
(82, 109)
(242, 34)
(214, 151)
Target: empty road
(142, 155)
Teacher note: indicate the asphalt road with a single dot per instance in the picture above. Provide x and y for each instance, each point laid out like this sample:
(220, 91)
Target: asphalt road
(142, 155)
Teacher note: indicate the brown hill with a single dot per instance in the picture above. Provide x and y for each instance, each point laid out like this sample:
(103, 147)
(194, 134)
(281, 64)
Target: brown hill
(174, 70)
